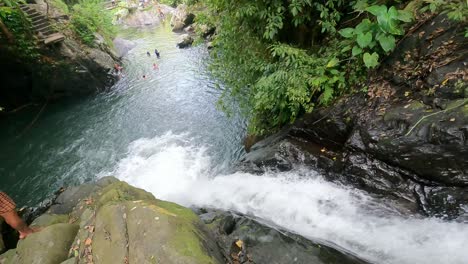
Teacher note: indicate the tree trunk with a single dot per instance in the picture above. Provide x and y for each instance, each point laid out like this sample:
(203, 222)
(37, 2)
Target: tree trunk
(10, 38)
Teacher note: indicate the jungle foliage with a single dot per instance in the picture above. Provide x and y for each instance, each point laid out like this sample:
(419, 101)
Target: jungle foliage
(281, 59)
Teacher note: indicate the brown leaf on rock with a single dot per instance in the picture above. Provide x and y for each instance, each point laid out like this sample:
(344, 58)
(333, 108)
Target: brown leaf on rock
(89, 201)
(88, 241)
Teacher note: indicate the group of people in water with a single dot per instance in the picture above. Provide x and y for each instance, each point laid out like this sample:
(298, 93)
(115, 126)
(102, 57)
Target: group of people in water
(155, 66)
(119, 69)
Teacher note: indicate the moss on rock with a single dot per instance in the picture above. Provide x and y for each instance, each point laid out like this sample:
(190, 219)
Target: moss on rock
(51, 245)
(50, 219)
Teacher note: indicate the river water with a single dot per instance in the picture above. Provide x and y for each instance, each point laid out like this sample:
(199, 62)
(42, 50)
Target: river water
(164, 134)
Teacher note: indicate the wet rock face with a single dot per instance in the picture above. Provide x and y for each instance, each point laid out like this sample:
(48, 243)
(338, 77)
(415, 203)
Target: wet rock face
(405, 141)
(429, 142)
(244, 240)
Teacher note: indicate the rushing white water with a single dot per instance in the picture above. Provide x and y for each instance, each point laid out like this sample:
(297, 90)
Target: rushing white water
(172, 168)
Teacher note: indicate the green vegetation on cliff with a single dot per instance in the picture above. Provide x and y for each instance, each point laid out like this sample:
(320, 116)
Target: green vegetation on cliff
(16, 32)
(281, 59)
(89, 17)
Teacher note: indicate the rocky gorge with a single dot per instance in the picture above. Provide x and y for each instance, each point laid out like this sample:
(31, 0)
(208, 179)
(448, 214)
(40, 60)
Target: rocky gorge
(402, 143)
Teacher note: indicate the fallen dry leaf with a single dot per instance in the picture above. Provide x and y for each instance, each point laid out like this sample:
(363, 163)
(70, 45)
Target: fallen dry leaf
(239, 243)
(88, 241)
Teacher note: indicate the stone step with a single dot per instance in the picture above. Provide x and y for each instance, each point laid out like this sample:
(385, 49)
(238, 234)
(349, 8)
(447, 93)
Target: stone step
(53, 38)
(39, 20)
(35, 16)
(43, 28)
(30, 11)
(40, 24)
(48, 31)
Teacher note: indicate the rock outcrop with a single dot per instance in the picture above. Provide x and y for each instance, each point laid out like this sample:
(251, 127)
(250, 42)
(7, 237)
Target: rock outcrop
(134, 16)
(113, 222)
(185, 41)
(181, 18)
(405, 141)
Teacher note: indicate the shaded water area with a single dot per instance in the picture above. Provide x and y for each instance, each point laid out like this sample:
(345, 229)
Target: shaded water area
(164, 134)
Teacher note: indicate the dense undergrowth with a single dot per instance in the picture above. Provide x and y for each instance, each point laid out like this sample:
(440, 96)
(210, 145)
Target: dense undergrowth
(281, 59)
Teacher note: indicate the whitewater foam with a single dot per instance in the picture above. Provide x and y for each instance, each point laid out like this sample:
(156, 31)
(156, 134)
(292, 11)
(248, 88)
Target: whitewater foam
(173, 168)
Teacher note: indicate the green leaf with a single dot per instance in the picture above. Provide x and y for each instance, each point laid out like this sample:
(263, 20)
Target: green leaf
(392, 13)
(345, 49)
(332, 63)
(364, 39)
(360, 5)
(347, 32)
(387, 42)
(405, 16)
(377, 10)
(371, 60)
(356, 51)
(364, 26)
(388, 24)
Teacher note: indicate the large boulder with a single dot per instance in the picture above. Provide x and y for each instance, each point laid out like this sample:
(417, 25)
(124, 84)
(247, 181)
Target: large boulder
(181, 18)
(112, 222)
(50, 246)
(185, 41)
(123, 46)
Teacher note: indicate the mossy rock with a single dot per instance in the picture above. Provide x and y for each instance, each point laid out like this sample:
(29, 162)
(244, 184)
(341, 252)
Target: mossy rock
(121, 191)
(69, 261)
(50, 219)
(9, 257)
(132, 225)
(50, 245)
